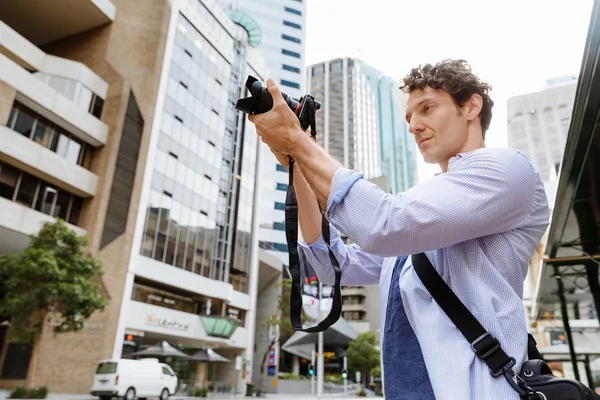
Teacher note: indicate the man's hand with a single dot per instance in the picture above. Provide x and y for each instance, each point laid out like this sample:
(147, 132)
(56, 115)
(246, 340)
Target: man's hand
(283, 159)
(278, 127)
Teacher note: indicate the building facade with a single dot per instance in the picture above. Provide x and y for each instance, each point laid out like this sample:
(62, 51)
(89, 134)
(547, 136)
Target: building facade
(280, 32)
(538, 124)
(362, 123)
(132, 137)
(279, 28)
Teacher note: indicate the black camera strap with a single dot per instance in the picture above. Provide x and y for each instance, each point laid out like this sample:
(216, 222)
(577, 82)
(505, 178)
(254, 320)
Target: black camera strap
(483, 343)
(291, 232)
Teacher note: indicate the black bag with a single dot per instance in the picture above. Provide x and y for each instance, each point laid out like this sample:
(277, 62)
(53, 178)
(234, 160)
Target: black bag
(535, 381)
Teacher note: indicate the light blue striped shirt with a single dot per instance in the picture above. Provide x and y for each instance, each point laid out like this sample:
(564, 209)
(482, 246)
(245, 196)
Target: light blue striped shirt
(479, 223)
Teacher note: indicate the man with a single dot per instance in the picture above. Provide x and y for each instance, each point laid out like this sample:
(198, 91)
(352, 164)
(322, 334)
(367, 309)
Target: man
(478, 222)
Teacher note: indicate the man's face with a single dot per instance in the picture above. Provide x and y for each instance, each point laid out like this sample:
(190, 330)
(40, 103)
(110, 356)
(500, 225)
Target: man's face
(438, 126)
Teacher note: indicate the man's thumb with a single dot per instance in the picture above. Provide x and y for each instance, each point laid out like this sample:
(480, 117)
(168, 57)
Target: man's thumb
(274, 90)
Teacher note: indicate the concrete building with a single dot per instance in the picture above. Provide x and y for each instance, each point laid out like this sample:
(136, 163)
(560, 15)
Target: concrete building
(118, 117)
(538, 124)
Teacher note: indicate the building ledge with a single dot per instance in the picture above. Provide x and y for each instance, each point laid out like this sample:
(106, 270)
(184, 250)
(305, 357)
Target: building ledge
(46, 101)
(31, 58)
(17, 222)
(39, 161)
(43, 21)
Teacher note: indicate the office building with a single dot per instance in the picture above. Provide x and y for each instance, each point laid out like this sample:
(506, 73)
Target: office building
(538, 124)
(119, 118)
(279, 28)
(362, 125)
(362, 121)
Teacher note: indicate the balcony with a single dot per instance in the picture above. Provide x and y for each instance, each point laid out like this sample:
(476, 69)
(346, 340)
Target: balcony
(157, 271)
(354, 307)
(46, 101)
(354, 291)
(43, 21)
(31, 157)
(17, 222)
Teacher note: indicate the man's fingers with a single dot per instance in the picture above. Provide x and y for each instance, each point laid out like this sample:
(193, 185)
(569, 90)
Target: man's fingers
(275, 92)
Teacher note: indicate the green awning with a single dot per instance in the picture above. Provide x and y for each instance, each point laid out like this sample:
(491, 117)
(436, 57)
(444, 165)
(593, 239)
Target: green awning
(250, 25)
(222, 327)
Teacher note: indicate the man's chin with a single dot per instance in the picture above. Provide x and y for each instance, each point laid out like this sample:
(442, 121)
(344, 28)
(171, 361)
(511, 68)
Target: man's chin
(429, 158)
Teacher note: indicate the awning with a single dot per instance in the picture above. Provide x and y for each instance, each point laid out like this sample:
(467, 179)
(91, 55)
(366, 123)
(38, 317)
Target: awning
(573, 247)
(338, 334)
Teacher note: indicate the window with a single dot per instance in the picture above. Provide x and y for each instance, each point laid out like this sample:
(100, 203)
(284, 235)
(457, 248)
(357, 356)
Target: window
(290, 38)
(293, 10)
(290, 68)
(16, 361)
(290, 53)
(279, 206)
(106, 368)
(32, 192)
(279, 226)
(282, 186)
(292, 25)
(280, 167)
(45, 133)
(162, 298)
(96, 106)
(23, 122)
(8, 181)
(281, 247)
(27, 188)
(290, 84)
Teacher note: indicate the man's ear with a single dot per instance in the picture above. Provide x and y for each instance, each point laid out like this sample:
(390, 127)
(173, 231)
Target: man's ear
(473, 106)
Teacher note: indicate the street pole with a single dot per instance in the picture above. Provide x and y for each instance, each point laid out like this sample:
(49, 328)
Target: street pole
(312, 377)
(320, 366)
(346, 378)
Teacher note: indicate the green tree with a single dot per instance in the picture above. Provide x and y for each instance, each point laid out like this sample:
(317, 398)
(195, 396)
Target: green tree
(363, 354)
(51, 277)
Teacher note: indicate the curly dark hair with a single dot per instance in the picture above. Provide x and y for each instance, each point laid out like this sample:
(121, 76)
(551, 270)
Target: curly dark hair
(455, 78)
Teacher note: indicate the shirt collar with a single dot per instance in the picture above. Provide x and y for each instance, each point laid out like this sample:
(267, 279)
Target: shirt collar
(452, 162)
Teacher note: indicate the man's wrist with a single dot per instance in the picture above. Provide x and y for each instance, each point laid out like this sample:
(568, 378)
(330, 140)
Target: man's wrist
(300, 141)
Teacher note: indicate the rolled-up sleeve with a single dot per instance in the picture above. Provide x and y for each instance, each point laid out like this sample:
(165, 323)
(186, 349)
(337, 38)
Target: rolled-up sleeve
(358, 267)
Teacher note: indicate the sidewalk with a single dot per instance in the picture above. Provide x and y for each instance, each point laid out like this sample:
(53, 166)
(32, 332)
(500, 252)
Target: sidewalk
(339, 396)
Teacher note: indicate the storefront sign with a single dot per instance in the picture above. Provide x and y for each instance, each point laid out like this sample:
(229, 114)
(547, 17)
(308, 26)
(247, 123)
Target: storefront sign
(168, 323)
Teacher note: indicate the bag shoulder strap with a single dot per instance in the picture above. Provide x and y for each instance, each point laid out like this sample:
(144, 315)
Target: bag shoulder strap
(483, 343)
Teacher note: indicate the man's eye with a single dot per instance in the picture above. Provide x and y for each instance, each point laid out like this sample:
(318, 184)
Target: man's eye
(427, 108)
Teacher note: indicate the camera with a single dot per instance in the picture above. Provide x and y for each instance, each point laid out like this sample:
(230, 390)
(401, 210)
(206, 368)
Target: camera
(261, 101)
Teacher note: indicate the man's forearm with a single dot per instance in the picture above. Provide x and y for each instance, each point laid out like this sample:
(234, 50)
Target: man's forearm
(309, 214)
(316, 165)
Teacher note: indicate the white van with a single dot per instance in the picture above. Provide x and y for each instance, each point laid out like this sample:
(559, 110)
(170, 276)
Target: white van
(133, 378)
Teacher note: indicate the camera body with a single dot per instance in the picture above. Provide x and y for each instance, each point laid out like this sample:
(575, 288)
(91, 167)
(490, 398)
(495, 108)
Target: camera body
(261, 101)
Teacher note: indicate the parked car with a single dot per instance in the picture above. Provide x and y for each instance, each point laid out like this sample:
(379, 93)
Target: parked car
(133, 378)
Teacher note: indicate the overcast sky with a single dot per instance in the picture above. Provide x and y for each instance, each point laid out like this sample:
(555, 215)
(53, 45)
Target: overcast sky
(514, 45)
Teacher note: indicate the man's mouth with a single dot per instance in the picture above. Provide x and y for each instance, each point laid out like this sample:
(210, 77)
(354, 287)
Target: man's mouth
(421, 141)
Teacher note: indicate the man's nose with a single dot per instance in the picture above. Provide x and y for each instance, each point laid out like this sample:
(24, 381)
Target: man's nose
(415, 126)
